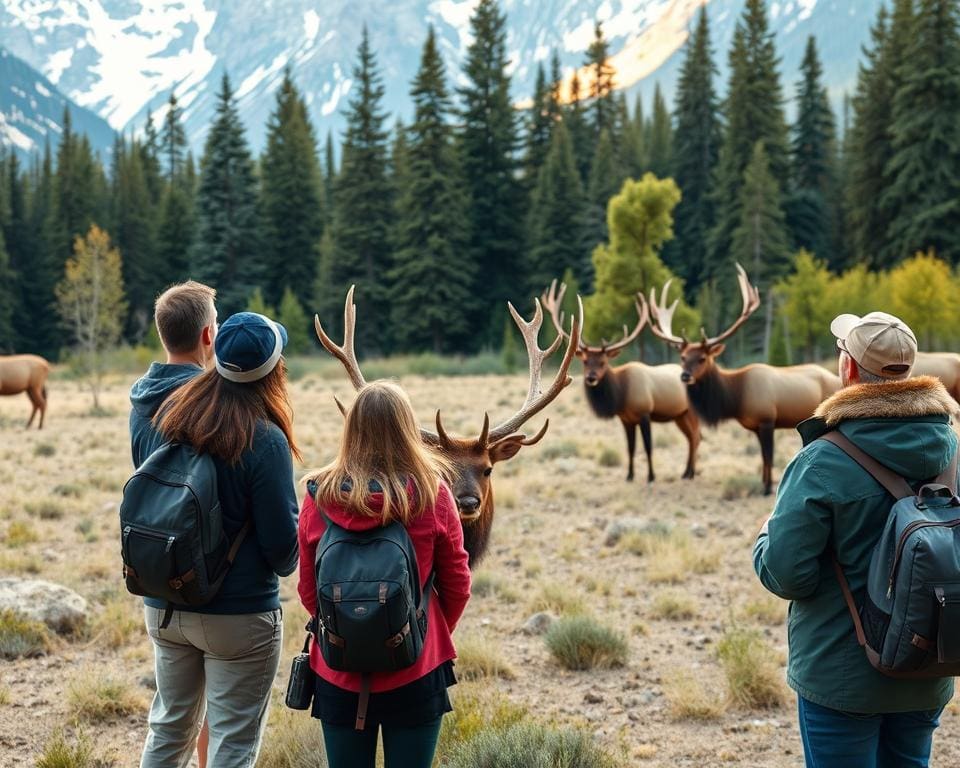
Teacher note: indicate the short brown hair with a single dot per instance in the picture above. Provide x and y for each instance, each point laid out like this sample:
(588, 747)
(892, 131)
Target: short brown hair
(182, 312)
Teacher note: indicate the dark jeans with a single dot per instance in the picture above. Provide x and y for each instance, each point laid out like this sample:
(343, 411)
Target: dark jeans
(835, 739)
(403, 747)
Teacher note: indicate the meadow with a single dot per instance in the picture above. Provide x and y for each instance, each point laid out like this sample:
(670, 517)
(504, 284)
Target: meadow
(665, 652)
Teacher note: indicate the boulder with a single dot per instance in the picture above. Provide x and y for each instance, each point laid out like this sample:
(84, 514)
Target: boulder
(539, 623)
(61, 609)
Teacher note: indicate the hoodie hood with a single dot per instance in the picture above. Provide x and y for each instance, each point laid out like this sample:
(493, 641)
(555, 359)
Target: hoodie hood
(347, 518)
(905, 425)
(149, 392)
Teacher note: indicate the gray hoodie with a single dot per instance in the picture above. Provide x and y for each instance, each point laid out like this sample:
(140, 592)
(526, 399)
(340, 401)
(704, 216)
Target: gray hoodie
(146, 397)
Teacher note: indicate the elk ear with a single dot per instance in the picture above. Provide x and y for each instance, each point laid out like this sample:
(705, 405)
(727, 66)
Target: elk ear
(717, 349)
(612, 353)
(506, 448)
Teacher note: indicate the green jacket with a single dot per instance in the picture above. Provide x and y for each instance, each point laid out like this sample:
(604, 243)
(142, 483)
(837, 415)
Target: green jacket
(828, 502)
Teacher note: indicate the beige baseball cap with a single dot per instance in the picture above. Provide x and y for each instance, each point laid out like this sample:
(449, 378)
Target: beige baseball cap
(882, 344)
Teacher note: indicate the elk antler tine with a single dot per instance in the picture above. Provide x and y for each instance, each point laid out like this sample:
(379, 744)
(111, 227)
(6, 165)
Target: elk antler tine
(441, 432)
(485, 431)
(537, 437)
(343, 410)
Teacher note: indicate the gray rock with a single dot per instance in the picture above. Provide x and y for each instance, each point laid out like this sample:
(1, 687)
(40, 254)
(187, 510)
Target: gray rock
(592, 697)
(61, 609)
(539, 623)
(617, 529)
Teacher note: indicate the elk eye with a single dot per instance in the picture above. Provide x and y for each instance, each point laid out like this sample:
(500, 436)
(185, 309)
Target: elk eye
(488, 471)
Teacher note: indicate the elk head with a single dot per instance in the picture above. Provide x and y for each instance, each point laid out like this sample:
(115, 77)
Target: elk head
(596, 359)
(472, 459)
(698, 358)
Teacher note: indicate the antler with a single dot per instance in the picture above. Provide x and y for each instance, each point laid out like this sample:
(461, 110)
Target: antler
(750, 295)
(552, 299)
(345, 354)
(644, 315)
(663, 328)
(536, 399)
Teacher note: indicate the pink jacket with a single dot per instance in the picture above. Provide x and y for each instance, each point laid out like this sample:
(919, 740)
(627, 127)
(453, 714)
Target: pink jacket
(438, 541)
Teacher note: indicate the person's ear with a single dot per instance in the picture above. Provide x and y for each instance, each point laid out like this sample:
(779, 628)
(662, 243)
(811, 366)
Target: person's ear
(206, 336)
(851, 369)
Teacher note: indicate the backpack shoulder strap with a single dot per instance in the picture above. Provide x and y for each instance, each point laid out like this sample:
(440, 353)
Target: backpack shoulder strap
(895, 485)
(949, 476)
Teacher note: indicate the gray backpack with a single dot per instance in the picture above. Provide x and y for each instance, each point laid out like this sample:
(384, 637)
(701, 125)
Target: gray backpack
(909, 624)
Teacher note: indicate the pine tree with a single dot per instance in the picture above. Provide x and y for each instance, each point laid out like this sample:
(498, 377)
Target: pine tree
(21, 250)
(294, 319)
(227, 252)
(176, 230)
(173, 140)
(579, 130)
(760, 242)
(554, 100)
(696, 151)
(659, 137)
(753, 112)
(924, 192)
(811, 197)
(555, 224)
(487, 145)
(539, 124)
(9, 339)
(150, 158)
(601, 83)
(606, 176)
(362, 217)
(291, 197)
(329, 181)
(45, 268)
(432, 279)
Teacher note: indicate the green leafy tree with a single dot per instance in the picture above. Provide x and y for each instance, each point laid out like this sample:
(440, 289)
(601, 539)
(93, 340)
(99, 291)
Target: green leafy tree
(363, 205)
(555, 224)
(432, 280)
(640, 219)
(805, 312)
(91, 303)
(696, 150)
(811, 198)
(227, 250)
(924, 171)
(487, 145)
(291, 196)
(295, 320)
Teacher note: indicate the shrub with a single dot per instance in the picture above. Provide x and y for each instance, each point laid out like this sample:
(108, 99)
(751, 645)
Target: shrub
(474, 711)
(22, 637)
(673, 558)
(741, 487)
(293, 740)
(4, 695)
(608, 457)
(580, 642)
(44, 449)
(486, 585)
(478, 658)
(767, 609)
(59, 753)
(528, 745)
(47, 509)
(560, 449)
(689, 699)
(20, 533)
(117, 622)
(675, 606)
(560, 600)
(99, 698)
(68, 489)
(751, 668)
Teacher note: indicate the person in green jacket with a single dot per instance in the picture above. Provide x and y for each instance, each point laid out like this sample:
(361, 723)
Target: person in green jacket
(850, 714)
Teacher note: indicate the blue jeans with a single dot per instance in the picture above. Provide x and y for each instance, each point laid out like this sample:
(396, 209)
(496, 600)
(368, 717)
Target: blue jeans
(835, 739)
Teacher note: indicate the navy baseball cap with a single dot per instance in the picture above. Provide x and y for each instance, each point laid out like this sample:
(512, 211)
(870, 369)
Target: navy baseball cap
(248, 346)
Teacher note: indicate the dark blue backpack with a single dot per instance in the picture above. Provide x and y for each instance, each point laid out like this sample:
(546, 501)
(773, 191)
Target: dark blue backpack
(173, 544)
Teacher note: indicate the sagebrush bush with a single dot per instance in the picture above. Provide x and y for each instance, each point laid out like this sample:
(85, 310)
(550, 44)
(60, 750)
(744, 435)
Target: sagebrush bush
(475, 710)
(529, 745)
(293, 739)
(741, 487)
(560, 600)
(767, 609)
(99, 698)
(580, 642)
(20, 533)
(118, 621)
(20, 636)
(44, 449)
(689, 699)
(560, 449)
(478, 658)
(60, 753)
(675, 606)
(608, 457)
(752, 669)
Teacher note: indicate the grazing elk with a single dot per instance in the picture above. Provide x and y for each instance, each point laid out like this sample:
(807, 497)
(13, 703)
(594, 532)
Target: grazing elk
(944, 365)
(636, 393)
(472, 459)
(26, 373)
(761, 397)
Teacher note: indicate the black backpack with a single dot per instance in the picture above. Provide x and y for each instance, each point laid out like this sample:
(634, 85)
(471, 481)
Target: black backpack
(173, 544)
(371, 612)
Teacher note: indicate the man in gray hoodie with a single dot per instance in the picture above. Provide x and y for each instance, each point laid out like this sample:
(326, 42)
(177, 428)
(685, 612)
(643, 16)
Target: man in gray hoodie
(186, 319)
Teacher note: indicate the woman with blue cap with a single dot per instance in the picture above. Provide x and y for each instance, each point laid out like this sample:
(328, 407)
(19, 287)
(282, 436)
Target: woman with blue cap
(222, 657)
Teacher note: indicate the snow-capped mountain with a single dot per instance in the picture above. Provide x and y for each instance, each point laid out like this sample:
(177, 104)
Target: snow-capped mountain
(31, 111)
(120, 58)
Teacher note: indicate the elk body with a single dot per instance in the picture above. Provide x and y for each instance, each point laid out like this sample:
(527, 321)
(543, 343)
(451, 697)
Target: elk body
(472, 459)
(26, 373)
(944, 365)
(762, 398)
(635, 393)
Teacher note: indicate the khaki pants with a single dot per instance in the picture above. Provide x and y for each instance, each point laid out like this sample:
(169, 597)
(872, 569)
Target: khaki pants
(222, 664)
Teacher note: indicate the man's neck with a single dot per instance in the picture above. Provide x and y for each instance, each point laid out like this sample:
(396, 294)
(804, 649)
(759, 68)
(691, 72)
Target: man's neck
(189, 359)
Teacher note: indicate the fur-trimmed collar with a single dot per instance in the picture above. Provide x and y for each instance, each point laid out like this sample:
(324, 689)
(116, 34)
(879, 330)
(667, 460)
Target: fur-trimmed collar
(920, 396)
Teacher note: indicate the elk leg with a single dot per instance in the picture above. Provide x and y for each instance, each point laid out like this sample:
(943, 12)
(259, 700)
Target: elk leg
(631, 430)
(43, 405)
(647, 446)
(688, 423)
(765, 435)
(36, 406)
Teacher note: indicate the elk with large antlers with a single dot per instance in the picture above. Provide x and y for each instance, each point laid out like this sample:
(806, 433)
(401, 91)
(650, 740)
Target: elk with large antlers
(761, 397)
(636, 393)
(472, 459)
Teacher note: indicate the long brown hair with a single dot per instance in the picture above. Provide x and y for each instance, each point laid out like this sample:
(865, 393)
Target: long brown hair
(381, 443)
(220, 417)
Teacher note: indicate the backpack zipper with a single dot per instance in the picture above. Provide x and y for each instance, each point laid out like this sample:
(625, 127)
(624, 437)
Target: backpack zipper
(902, 543)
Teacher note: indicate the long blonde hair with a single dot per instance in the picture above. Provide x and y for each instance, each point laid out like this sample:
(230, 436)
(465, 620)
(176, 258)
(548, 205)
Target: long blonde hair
(381, 443)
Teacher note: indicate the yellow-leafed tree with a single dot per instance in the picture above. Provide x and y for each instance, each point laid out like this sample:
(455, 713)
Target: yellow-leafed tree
(802, 294)
(923, 293)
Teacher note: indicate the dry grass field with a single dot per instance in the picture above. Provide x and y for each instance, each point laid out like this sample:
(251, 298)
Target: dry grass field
(691, 674)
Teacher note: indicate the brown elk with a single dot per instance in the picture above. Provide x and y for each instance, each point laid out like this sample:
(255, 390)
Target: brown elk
(944, 365)
(761, 397)
(26, 373)
(636, 393)
(472, 459)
